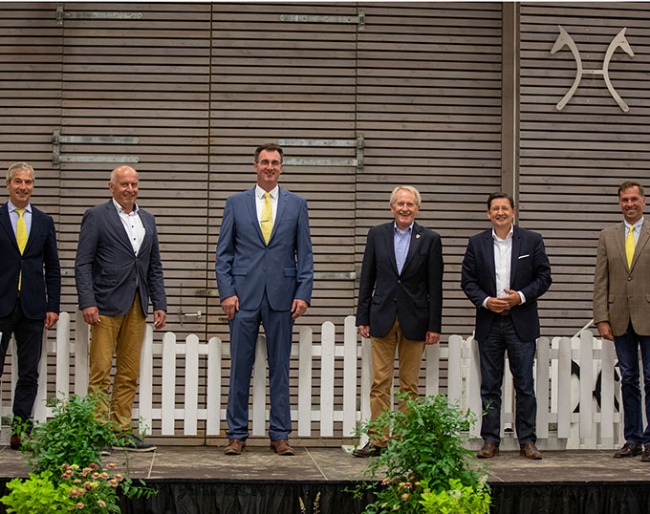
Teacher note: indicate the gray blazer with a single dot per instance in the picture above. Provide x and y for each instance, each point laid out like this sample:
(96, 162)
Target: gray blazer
(622, 294)
(107, 269)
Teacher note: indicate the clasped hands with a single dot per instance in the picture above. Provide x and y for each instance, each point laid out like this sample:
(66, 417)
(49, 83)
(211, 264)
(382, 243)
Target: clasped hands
(504, 303)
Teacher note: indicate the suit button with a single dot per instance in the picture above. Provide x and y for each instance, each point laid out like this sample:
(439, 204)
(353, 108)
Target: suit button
(395, 300)
(629, 278)
(399, 281)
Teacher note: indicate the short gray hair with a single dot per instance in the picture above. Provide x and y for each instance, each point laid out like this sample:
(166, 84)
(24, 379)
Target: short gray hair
(19, 166)
(411, 189)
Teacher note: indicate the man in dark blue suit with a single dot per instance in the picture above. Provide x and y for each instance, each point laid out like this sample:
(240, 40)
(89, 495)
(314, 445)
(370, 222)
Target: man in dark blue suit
(30, 287)
(265, 275)
(504, 272)
(400, 303)
(118, 270)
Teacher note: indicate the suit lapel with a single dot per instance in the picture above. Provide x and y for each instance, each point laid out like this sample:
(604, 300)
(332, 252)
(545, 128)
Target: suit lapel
(619, 242)
(389, 243)
(116, 224)
(414, 244)
(251, 205)
(488, 258)
(514, 256)
(283, 200)
(5, 223)
(36, 227)
(644, 237)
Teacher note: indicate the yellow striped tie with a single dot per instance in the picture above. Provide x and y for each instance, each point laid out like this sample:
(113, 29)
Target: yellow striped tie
(21, 238)
(266, 223)
(629, 246)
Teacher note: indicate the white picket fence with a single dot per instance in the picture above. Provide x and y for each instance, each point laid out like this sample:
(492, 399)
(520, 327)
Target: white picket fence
(559, 391)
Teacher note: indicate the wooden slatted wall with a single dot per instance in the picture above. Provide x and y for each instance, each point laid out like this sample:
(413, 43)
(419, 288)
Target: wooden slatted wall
(429, 106)
(573, 160)
(277, 78)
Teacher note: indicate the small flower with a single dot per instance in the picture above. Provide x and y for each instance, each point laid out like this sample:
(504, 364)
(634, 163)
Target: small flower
(405, 496)
(79, 505)
(101, 503)
(386, 481)
(111, 465)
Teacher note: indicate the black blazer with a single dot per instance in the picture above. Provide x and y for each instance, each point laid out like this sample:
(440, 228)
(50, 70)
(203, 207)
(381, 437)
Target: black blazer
(41, 282)
(414, 296)
(530, 273)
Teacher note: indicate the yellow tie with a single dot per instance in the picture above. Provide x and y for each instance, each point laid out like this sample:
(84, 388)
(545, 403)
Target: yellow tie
(21, 238)
(266, 223)
(629, 246)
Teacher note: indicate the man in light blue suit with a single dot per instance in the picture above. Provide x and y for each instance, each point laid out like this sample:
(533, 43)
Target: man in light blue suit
(265, 274)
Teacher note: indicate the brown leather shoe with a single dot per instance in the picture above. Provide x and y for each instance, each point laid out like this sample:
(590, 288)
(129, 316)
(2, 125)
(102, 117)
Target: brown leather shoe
(282, 447)
(15, 443)
(530, 451)
(369, 450)
(628, 450)
(235, 447)
(488, 451)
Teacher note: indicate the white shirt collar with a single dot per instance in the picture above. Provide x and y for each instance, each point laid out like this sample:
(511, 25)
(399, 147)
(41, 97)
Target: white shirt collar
(259, 192)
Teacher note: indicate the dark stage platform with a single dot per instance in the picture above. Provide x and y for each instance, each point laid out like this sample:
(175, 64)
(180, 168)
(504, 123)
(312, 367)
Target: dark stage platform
(200, 479)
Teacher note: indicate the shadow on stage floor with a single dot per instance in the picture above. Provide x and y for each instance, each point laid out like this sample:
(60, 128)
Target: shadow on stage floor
(201, 480)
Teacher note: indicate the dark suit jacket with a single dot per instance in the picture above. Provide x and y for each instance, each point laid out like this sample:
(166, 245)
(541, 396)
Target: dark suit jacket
(246, 266)
(414, 296)
(41, 282)
(530, 273)
(107, 269)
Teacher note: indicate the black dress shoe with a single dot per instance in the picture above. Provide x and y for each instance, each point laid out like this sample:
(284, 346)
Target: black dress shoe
(645, 456)
(488, 451)
(369, 450)
(629, 450)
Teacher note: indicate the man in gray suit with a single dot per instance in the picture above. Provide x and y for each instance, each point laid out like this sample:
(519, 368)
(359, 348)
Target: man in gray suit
(621, 307)
(118, 269)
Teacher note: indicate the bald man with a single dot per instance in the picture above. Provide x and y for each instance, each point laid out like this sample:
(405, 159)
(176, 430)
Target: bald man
(118, 270)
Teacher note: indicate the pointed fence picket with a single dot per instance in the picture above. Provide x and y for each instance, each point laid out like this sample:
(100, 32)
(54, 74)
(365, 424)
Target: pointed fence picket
(574, 411)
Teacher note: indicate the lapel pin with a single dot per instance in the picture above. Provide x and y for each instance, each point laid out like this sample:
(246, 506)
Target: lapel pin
(417, 236)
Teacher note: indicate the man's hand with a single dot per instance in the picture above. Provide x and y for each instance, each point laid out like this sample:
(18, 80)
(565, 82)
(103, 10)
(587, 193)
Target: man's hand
(497, 305)
(605, 330)
(432, 338)
(513, 298)
(298, 308)
(364, 331)
(159, 319)
(91, 315)
(230, 306)
(50, 319)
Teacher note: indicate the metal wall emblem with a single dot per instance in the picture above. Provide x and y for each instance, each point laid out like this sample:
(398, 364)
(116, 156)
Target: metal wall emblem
(564, 39)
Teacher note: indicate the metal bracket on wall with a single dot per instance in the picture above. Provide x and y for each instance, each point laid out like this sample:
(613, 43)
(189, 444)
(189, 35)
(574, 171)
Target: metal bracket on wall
(356, 161)
(58, 140)
(61, 15)
(303, 18)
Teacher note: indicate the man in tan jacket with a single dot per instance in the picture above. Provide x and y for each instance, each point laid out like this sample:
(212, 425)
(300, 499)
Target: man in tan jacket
(622, 310)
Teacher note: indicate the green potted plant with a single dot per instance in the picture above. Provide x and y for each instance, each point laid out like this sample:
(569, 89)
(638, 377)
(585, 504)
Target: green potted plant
(67, 475)
(425, 462)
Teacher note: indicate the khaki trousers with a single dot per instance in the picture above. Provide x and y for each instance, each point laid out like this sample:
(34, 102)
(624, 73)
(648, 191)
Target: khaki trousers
(383, 365)
(120, 336)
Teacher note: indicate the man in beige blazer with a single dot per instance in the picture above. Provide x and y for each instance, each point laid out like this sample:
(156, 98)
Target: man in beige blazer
(622, 310)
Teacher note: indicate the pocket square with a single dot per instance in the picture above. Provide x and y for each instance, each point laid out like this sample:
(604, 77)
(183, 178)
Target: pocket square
(523, 256)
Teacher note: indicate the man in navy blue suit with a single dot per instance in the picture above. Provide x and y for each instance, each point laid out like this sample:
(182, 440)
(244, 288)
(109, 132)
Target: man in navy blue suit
(265, 275)
(118, 270)
(400, 303)
(30, 287)
(504, 272)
